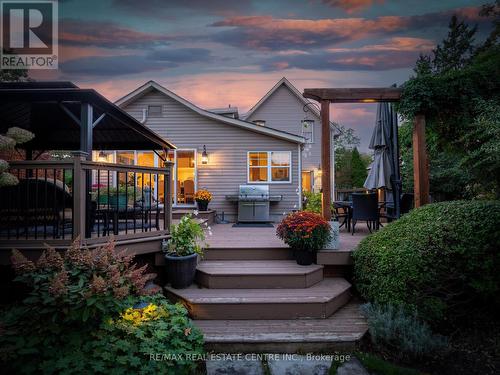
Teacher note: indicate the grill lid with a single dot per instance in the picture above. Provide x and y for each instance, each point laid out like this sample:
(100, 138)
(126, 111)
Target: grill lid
(254, 192)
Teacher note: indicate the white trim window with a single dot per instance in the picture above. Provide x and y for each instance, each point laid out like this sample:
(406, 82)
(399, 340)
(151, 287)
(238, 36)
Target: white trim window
(270, 167)
(307, 130)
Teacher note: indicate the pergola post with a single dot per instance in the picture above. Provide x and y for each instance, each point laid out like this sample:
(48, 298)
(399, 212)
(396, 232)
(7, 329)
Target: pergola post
(86, 122)
(420, 162)
(326, 160)
(86, 130)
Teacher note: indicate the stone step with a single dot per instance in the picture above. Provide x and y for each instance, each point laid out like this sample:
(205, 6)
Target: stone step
(319, 301)
(340, 331)
(248, 253)
(257, 274)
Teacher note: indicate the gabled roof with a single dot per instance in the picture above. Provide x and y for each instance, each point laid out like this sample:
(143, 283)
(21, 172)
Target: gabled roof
(152, 85)
(293, 90)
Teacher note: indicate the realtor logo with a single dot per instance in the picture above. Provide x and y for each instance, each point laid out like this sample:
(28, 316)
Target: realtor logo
(29, 35)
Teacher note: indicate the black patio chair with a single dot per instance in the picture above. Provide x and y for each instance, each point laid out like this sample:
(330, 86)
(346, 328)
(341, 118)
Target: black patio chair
(406, 204)
(365, 208)
(341, 211)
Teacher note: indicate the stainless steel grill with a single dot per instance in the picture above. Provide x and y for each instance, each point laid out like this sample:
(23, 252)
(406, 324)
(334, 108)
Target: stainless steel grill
(253, 203)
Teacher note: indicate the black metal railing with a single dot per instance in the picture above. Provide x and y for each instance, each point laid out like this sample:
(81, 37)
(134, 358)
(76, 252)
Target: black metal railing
(60, 200)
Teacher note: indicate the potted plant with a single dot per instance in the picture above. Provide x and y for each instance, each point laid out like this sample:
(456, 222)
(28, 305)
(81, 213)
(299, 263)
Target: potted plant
(306, 233)
(203, 197)
(182, 252)
(117, 198)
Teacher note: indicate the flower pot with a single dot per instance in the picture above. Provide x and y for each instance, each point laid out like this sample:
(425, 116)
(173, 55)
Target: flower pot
(181, 270)
(202, 205)
(334, 242)
(304, 257)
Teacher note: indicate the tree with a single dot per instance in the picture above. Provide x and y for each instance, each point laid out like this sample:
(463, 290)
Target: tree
(346, 139)
(358, 172)
(13, 75)
(457, 49)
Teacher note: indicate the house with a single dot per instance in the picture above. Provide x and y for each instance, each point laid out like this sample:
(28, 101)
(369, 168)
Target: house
(216, 151)
(284, 108)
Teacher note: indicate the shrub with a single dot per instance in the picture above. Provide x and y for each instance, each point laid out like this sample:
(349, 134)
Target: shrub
(185, 237)
(304, 231)
(440, 260)
(80, 286)
(123, 344)
(88, 312)
(401, 332)
(312, 202)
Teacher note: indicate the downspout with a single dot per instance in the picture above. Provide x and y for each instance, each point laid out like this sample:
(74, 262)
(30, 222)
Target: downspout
(299, 193)
(144, 117)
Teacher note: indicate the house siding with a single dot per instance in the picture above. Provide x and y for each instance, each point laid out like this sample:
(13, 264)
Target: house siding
(227, 147)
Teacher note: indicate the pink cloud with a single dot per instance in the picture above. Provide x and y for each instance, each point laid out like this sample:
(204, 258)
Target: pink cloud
(352, 6)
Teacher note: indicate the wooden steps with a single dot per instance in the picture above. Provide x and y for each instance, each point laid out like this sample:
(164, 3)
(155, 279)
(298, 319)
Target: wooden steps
(341, 331)
(248, 253)
(318, 301)
(257, 274)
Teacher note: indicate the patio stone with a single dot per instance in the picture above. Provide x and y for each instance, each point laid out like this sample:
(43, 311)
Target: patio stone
(353, 367)
(234, 367)
(298, 366)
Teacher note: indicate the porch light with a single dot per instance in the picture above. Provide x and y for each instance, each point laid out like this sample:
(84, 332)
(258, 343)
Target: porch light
(204, 155)
(368, 100)
(320, 172)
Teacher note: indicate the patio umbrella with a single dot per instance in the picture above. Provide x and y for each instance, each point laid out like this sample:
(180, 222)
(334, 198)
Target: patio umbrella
(380, 172)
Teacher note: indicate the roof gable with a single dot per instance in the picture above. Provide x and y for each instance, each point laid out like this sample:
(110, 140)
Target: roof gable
(287, 84)
(152, 85)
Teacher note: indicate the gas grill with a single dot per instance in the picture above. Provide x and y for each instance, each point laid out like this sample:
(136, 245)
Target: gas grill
(253, 204)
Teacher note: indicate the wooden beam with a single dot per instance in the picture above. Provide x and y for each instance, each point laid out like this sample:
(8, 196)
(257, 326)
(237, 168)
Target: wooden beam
(86, 121)
(420, 162)
(98, 120)
(355, 95)
(325, 160)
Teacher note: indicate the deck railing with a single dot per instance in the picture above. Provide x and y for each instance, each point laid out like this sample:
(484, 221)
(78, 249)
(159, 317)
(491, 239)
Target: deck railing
(59, 200)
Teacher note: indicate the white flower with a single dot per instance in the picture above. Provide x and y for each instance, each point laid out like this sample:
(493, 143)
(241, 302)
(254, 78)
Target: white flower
(209, 232)
(209, 228)
(196, 212)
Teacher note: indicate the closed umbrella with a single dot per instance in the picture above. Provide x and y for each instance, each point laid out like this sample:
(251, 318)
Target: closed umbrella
(380, 172)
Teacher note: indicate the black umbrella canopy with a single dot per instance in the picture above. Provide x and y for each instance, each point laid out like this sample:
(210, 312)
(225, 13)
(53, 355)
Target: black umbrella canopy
(49, 110)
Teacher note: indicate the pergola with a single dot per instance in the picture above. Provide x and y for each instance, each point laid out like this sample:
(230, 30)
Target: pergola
(325, 96)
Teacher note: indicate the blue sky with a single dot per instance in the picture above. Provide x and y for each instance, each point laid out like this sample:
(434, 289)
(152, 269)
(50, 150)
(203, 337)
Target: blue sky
(217, 52)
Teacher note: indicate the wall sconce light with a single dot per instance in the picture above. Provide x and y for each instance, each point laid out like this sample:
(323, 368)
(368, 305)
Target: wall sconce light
(320, 172)
(204, 155)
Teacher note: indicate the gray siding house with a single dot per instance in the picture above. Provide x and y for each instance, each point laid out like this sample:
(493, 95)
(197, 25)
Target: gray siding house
(239, 152)
(284, 108)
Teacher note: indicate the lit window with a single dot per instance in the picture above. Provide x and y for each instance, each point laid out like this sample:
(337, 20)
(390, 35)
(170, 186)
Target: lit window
(154, 111)
(308, 130)
(269, 166)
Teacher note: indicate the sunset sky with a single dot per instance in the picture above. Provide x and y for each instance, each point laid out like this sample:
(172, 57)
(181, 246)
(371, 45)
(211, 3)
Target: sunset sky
(220, 52)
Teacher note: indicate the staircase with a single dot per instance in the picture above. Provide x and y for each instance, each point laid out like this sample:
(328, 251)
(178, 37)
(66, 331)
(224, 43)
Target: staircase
(261, 300)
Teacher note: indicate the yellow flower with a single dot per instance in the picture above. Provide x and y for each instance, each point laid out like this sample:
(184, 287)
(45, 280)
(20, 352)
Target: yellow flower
(203, 195)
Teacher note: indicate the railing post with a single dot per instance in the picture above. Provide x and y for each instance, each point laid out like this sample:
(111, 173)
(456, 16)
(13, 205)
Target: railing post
(79, 195)
(167, 206)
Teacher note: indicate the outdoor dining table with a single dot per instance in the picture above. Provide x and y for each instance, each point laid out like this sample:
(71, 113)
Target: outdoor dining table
(347, 207)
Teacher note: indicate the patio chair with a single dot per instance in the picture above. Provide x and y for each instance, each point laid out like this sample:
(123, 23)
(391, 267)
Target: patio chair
(339, 212)
(189, 191)
(365, 208)
(406, 204)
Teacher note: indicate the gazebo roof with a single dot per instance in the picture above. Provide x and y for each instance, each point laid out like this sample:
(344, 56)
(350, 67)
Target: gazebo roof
(51, 110)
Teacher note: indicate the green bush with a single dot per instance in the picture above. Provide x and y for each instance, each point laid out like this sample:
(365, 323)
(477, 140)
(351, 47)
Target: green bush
(401, 332)
(440, 260)
(185, 237)
(312, 202)
(89, 312)
(148, 338)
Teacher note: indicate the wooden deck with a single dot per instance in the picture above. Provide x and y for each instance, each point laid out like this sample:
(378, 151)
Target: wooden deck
(244, 243)
(341, 331)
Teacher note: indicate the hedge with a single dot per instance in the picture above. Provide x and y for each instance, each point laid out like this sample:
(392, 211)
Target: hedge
(441, 260)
